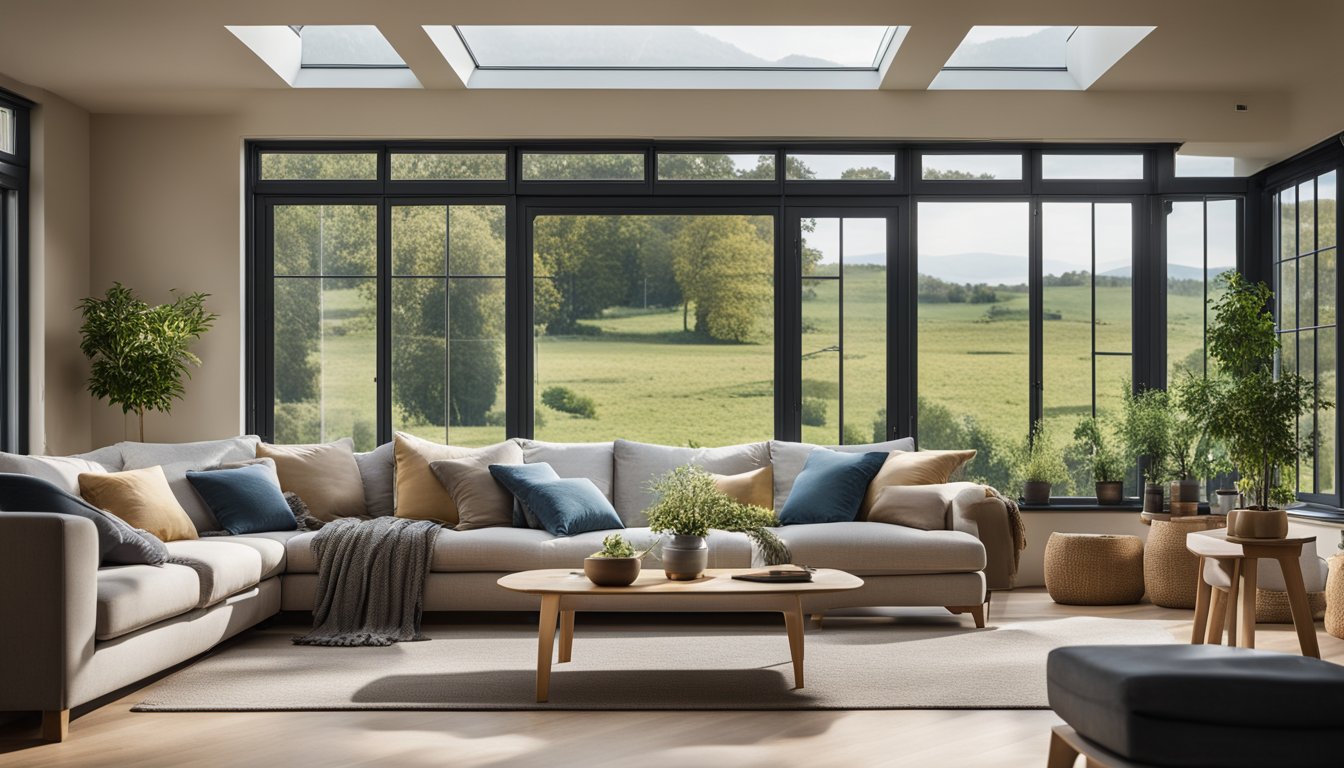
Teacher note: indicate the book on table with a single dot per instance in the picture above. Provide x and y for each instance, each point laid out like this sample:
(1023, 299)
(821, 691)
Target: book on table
(778, 574)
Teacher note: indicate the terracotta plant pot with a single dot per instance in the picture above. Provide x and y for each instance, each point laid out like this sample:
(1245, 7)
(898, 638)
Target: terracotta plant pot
(611, 571)
(1184, 497)
(1152, 499)
(1111, 492)
(1334, 597)
(1258, 523)
(1036, 492)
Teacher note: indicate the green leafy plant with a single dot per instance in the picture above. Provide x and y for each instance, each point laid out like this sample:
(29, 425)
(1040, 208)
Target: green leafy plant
(690, 504)
(1245, 405)
(615, 545)
(1041, 460)
(1104, 458)
(141, 353)
(1145, 429)
(566, 400)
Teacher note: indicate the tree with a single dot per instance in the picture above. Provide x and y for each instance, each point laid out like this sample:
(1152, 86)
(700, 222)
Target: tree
(140, 353)
(725, 268)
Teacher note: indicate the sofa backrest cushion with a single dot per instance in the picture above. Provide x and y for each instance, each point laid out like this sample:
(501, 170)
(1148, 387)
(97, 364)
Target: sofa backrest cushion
(831, 487)
(914, 506)
(639, 464)
(419, 494)
(324, 475)
(378, 472)
(61, 471)
(756, 487)
(118, 543)
(177, 458)
(141, 498)
(594, 461)
(788, 459)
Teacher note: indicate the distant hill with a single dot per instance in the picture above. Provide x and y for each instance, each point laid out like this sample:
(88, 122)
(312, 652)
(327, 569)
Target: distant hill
(1177, 271)
(998, 268)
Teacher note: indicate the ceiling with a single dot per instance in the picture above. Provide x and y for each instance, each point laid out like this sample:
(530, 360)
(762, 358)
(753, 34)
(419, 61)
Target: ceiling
(1179, 84)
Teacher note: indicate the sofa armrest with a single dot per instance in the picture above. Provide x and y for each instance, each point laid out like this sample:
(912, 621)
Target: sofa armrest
(986, 517)
(48, 607)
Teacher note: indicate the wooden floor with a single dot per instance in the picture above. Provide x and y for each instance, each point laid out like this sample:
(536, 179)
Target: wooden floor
(112, 735)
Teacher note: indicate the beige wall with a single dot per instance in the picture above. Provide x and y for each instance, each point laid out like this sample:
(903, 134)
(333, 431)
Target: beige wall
(58, 253)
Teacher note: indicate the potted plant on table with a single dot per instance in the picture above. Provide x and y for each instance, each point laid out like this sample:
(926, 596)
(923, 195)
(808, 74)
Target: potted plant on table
(1252, 409)
(1145, 429)
(1187, 446)
(1105, 460)
(1042, 466)
(689, 505)
(617, 564)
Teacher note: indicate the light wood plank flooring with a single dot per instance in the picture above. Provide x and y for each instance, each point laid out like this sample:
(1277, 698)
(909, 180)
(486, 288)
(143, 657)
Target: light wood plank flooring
(112, 735)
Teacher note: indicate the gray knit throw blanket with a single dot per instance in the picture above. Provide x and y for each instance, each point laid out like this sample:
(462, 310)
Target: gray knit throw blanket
(370, 581)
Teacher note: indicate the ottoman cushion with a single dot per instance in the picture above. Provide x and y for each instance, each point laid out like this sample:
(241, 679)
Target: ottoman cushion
(1186, 705)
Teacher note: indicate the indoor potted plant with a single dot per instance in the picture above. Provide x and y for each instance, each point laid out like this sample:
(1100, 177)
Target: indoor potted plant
(1187, 444)
(617, 564)
(1042, 466)
(689, 505)
(1145, 429)
(1250, 408)
(1104, 460)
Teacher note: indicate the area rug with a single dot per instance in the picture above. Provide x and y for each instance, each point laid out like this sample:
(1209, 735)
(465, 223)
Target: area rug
(848, 665)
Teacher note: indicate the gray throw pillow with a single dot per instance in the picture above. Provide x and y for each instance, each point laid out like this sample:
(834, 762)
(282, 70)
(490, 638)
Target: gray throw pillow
(118, 543)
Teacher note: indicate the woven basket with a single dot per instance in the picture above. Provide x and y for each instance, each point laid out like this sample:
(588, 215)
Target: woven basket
(1334, 597)
(1271, 606)
(1094, 569)
(1170, 571)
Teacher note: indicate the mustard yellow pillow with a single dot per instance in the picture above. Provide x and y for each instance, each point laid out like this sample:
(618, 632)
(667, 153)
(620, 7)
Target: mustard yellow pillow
(755, 487)
(140, 497)
(324, 475)
(913, 468)
(419, 494)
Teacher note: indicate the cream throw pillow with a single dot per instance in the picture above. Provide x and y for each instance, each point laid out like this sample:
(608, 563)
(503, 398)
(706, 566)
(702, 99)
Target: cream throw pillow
(756, 487)
(914, 506)
(140, 497)
(480, 501)
(324, 475)
(913, 468)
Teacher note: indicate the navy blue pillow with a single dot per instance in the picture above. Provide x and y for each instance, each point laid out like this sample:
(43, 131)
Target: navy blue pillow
(563, 506)
(118, 543)
(245, 499)
(517, 479)
(831, 487)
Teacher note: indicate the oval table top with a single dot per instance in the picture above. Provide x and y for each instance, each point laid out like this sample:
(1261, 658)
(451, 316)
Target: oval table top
(716, 581)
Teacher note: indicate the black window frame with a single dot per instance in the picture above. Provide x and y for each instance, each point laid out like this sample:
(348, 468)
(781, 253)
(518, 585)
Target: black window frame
(14, 303)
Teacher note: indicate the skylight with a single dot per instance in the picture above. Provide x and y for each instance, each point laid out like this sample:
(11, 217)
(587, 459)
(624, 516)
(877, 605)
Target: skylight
(676, 47)
(1013, 48)
(328, 56)
(350, 46)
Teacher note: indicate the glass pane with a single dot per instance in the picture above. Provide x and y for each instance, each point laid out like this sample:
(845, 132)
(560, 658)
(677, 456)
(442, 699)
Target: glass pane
(1114, 238)
(1114, 372)
(1326, 372)
(627, 305)
(1326, 211)
(319, 166)
(971, 167)
(840, 167)
(1222, 249)
(419, 357)
(821, 351)
(1306, 217)
(1205, 167)
(325, 360)
(583, 166)
(325, 239)
(1326, 274)
(7, 131)
(676, 47)
(716, 166)
(419, 240)
(1306, 424)
(1104, 167)
(1185, 289)
(821, 249)
(1021, 47)
(1306, 291)
(1288, 223)
(346, 46)
(476, 240)
(448, 166)
(1067, 242)
(973, 317)
(1287, 294)
(865, 331)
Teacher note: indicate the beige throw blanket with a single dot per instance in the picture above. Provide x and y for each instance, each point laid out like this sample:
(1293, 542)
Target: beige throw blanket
(370, 581)
(1015, 525)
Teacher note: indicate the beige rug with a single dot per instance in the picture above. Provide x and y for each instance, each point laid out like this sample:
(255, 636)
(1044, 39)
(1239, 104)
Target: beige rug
(855, 664)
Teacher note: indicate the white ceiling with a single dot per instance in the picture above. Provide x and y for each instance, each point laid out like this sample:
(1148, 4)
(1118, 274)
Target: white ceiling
(1179, 84)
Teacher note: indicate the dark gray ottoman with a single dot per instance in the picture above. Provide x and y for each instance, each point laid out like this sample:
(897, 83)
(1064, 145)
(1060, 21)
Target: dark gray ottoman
(1201, 705)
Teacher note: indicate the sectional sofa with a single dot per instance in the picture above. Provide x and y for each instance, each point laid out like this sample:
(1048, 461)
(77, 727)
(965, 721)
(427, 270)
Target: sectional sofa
(71, 632)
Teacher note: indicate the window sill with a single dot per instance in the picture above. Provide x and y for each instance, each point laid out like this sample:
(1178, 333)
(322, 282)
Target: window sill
(1319, 513)
(1081, 505)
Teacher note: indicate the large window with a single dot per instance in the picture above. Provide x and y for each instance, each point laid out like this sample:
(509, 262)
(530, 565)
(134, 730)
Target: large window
(13, 273)
(1201, 244)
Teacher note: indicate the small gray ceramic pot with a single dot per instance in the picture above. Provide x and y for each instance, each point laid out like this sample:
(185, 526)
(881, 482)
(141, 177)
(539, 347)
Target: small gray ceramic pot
(685, 557)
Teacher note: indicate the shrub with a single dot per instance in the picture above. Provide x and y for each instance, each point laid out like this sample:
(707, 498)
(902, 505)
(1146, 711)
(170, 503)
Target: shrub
(364, 435)
(853, 436)
(814, 412)
(566, 400)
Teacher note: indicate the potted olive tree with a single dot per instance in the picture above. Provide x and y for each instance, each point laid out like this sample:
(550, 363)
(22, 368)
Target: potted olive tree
(1104, 459)
(1041, 466)
(1145, 429)
(1252, 409)
(689, 505)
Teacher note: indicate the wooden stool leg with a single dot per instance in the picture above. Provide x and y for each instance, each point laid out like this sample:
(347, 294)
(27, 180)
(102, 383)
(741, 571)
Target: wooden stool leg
(1231, 607)
(1250, 582)
(1062, 755)
(566, 635)
(1202, 594)
(1297, 600)
(1217, 617)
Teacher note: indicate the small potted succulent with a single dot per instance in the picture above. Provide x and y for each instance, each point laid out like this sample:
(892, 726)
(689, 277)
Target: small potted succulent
(617, 564)
(1042, 466)
(1105, 460)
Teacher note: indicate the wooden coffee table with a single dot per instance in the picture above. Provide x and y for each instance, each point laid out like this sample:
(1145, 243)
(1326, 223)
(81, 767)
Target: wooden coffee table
(564, 591)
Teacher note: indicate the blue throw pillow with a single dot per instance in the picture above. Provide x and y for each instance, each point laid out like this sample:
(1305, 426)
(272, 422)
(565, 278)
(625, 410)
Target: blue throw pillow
(245, 499)
(518, 479)
(118, 543)
(831, 487)
(563, 506)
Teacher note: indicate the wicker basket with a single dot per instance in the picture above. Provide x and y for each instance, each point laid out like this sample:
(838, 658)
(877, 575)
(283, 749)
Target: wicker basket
(1271, 606)
(1334, 598)
(1170, 571)
(1094, 569)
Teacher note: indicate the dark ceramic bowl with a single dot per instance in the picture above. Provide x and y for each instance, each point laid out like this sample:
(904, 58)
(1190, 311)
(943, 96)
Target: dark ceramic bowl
(611, 571)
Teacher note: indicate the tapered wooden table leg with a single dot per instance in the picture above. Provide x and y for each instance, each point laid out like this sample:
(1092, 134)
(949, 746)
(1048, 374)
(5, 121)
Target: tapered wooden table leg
(1217, 617)
(1233, 592)
(1297, 600)
(1249, 585)
(550, 611)
(1202, 594)
(566, 635)
(793, 622)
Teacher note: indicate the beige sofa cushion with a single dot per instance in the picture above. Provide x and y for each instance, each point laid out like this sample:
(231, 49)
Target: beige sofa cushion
(481, 502)
(131, 597)
(873, 549)
(419, 494)
(270, 546)
(788, 460)
(915, 506)
(223, 568)
(142, 498)
(913, 468)
(324, 475)
(595, 461)
(756, 487)
(61, 471)
(639, 464)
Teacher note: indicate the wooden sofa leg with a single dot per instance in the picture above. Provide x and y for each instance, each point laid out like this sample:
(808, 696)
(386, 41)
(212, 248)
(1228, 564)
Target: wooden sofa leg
(977, 612)
(55, 725)
(817, 618)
